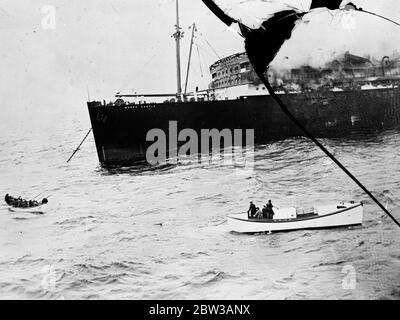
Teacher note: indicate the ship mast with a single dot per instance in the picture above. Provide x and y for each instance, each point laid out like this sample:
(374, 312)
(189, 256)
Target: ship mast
(178, 35)
(190, 56)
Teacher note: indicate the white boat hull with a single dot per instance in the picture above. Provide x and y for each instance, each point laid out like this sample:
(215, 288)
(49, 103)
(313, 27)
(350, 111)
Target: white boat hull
(327, 217)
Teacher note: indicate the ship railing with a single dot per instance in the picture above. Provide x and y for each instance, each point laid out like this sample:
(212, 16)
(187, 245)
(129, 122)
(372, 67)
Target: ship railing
(203, 95)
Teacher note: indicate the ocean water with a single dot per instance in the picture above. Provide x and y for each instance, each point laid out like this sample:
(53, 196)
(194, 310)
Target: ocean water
(160, 233)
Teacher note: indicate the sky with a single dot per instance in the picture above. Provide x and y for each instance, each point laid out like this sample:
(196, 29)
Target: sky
(54, 54)
(106, 46)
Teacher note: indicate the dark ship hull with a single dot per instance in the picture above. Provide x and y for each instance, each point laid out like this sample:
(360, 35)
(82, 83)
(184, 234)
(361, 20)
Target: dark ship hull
(120, 131)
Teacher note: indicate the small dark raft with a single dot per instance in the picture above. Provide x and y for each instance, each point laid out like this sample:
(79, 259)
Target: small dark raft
(21, 205)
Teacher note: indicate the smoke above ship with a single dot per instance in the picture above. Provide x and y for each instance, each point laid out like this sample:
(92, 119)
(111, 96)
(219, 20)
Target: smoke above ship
(343, 71)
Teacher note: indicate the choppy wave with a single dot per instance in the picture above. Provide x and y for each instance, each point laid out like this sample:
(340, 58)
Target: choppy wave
(159, 232)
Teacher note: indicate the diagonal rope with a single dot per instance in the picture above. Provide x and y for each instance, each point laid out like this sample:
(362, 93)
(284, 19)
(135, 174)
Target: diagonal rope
(77, 149)
(378, 15)
(198, 55)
